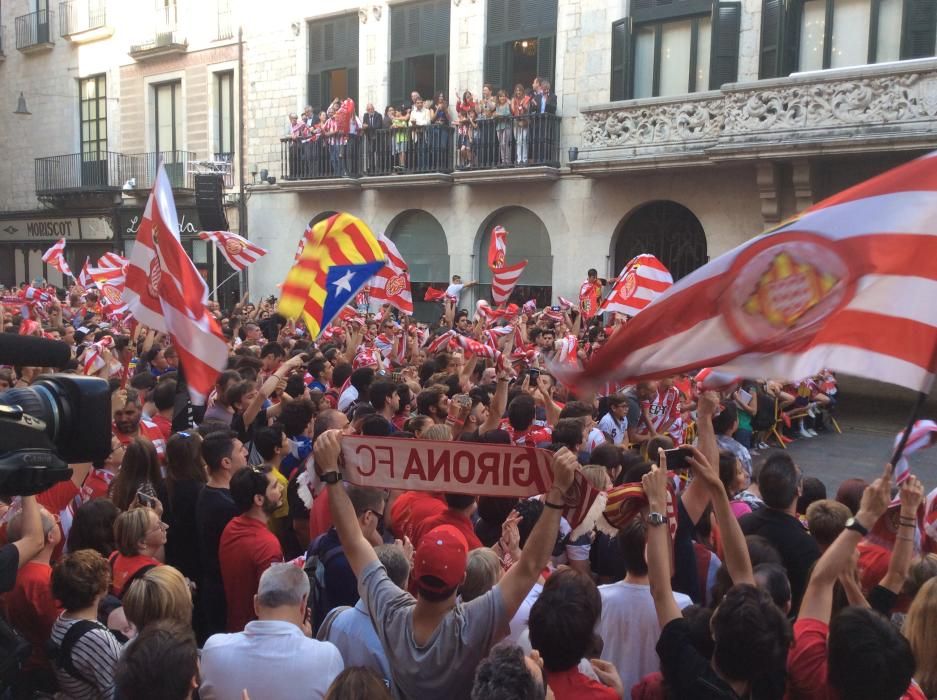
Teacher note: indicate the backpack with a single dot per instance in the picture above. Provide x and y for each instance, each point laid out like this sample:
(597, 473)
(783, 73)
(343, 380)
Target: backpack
(316, 561)
(14, 650)
(61, 654)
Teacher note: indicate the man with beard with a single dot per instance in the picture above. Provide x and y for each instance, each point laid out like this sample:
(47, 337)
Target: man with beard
(130, 423)
(247, 547)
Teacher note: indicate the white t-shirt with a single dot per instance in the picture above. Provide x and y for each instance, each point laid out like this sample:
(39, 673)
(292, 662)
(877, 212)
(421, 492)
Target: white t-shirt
(454, 291)
(617, 429)
(629, 628)
(419, 117)
(596, 438)
(348, 397)
(519, 621)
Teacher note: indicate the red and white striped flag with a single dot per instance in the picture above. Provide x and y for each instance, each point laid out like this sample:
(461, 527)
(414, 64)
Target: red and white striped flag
(55, 256)
(848, 285)
(166, 292)
(439, 343)
(84, 277)
(237, 250)
(111, 281)
(392, 282)
(497, 248)
(641, 281)
(503, 281)
(307, 235)
(110, 260)
(923, 434)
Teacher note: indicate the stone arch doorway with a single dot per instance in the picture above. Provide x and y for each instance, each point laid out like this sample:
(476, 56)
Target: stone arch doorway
(528, 239)
(665, 229)
(422, 242)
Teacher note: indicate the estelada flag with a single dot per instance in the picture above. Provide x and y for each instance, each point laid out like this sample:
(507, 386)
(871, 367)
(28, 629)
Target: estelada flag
(641, 281)
(337, 260)
(497, 247)
(164, 291)
(848, 285)
(392, 282)
(590, 294)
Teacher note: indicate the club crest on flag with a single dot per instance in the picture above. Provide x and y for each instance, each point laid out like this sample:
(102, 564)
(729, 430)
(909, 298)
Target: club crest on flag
(395, 285)
(233, 246)
(112, 294)
(788, 284)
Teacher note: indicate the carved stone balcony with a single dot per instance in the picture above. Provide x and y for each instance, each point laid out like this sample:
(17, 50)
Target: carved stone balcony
(882, 107)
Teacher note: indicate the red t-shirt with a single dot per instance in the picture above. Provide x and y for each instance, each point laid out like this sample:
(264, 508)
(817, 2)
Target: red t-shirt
(123, 568)
(411, 509)
(807, 665)
(164, 425)
(150, 431)
(246, 550)
(533, 436)
(32, 610)
(320, 515)
(448, 517)
(573, 685)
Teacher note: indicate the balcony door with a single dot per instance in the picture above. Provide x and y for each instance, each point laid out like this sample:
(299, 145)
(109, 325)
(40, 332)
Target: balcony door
(520, 42)
(419, 50)
(43, 35)
(92, 110)
(168, 122)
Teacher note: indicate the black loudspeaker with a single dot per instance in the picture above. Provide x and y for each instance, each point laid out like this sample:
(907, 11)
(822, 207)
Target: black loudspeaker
(209, 196)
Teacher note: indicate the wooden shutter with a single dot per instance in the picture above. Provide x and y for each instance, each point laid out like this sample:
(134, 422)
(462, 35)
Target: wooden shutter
(494, 22)
(622, 84)
(772, 39)
(325, 82)
(513, 16)
(396, 85)
(494, 64)
(546, 52)
(441, 74)
(314, 92)
(724, 46)
(919, 34)
(398, 28)
(328, 40)
(315, 45)
(353, 86)
(442, 26)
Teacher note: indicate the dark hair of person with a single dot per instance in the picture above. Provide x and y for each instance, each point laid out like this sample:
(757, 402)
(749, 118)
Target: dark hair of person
(606, 455)
(760, 551)
(216, 447)
(93, 527)
(634, 473)
(849, 493)
(778, 480)
(521, 412)
(632, 540)
(245, 484)
(772, 577)
(236, 392)
(812, 489)
(576, 409)
(728, 464)
(563, 618)
(459, 501)
(184, 460)
(375, 426)
(296, 416)
(869, 659)
(267, 439)
(495, 437)
(139, 465)
(161, 664)
(272, 349)
(504, 675)
(380, 391)
(361, 379)
(428, 399)
(80, 577)
(529, 510)
(357, 682)
(341, 373)
(725, 419)
(317, 367)
(568, 433)
(164, 394)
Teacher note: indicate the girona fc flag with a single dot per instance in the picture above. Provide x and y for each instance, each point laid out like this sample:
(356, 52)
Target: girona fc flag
(589, 298)
(165, 291)
(497, 247)
(392, 282)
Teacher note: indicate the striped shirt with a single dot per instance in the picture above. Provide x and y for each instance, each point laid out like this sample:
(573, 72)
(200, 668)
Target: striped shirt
(94, 656)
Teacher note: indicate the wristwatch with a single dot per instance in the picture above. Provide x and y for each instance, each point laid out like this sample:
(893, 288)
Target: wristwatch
(656, 519)
(331, 477)
(856, 526)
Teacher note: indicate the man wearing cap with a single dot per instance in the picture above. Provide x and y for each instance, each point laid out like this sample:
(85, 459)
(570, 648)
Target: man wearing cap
(432, 642)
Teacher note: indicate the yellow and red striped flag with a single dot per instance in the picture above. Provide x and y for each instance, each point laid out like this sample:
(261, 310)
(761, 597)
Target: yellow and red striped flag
(338, 259)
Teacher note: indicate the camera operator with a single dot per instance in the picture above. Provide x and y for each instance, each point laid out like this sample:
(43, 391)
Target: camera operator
(13, 556)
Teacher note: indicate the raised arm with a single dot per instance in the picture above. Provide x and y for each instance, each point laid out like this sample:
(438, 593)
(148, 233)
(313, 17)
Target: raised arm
(520, 578)
(357, 549)
(658, 546)
(30, 544)
(911, 494)
(499, 403)
(549, 405)
(696, 496)
(817, 603)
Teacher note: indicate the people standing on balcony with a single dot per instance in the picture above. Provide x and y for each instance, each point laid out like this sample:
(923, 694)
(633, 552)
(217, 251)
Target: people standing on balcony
(520, 107)
(399, 129)
(487, 99)
(419, 118)
(465, 109)
(503, 118)
(441, 120)
(542, 136)
(297, 130)
(486, 139)
(371, 122)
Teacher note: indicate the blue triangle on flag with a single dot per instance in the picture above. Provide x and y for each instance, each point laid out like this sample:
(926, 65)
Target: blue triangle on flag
(342, 282)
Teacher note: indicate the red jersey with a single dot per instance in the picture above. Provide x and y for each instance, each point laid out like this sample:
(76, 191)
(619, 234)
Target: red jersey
(411, 509)
(124, 568)
(320, 515)
(448, 517)
(32, 610)
(573, 685)
(247, 549)
(533, 436)
(149, 430)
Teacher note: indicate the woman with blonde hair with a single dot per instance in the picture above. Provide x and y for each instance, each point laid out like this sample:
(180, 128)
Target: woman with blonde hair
(159, 594)
(439, 431)
(919, 629)
(140, 536)
(482, 571)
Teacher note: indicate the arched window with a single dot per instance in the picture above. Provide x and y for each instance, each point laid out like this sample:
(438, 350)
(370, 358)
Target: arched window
(527, 240)
(667, 230)
(422, 242)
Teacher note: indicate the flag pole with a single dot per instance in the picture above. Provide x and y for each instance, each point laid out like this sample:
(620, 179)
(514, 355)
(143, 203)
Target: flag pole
(222, 283)
(918, 405)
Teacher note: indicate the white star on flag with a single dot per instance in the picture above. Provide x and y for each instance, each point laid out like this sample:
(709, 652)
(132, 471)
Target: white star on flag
(344, 282)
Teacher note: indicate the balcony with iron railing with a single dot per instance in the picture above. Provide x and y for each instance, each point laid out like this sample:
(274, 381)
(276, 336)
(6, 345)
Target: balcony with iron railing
(225, 29)
(74, 173)
(881, 107)
(34, 31)
(82, 21)
(142, 168)
(163, 35)
(500, 149)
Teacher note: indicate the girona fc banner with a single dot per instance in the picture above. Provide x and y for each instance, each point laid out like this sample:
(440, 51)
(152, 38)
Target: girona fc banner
(458, 467)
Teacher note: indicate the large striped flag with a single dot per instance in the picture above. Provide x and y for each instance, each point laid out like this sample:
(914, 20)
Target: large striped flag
(237, 250)
(641, 281)
(164, 291)
(497, 247)
(110, 281)
(503, 281)
(848, 285)
(84, 277)
(55, 256)
(392, 282)
(111, 259)
(337, 260)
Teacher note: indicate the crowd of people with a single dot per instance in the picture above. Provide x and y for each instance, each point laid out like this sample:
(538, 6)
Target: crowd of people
(500, 128)
(217, 549)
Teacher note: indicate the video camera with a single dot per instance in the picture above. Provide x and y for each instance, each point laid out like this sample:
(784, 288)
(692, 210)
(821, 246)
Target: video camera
(59, 418)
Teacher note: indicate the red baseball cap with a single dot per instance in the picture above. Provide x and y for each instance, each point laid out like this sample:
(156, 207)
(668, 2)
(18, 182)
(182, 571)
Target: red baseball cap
(441, 554)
